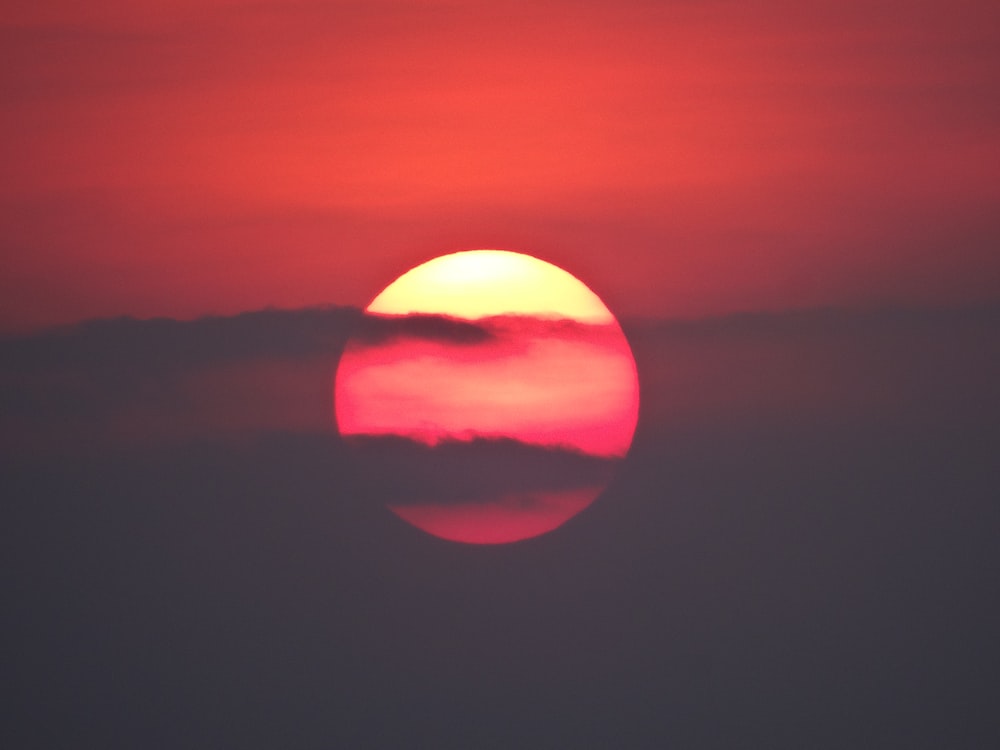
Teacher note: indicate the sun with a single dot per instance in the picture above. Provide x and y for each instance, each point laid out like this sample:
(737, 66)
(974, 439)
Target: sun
(498, 436)
(480, 283)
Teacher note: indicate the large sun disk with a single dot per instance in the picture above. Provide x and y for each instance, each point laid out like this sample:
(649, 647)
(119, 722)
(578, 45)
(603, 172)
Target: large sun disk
(516, 417)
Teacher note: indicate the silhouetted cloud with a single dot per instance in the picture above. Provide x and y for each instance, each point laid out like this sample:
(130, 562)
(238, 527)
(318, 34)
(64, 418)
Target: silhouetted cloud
(830, 365)
(375, 329)
(106, 383)
(162, 344)
(400, 470)
(125, 379)
(903, 321)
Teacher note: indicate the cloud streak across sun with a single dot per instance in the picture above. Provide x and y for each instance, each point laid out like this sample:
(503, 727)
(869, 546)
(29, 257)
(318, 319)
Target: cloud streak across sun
(555, 369)
(555, 372)
(543, 383)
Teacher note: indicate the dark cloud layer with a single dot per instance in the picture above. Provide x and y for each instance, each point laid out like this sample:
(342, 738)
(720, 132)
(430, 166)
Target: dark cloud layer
(163, 344)
(375, 329)
(120, 380)
(401, 471)
(799, 551)
(796, 588)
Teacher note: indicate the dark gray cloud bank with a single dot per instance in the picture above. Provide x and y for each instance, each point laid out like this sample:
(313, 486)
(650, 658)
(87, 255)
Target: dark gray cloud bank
(800, 550)
(402, 471)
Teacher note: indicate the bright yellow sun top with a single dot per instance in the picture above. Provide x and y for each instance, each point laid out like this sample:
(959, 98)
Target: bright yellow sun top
(481, 283)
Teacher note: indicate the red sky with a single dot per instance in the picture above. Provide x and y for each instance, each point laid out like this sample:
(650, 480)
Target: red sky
(180, 158)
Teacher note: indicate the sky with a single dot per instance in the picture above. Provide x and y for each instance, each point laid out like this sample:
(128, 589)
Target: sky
(791, 209)
(684, 158)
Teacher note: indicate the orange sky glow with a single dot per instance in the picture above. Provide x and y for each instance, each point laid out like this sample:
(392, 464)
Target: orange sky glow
(177, 158)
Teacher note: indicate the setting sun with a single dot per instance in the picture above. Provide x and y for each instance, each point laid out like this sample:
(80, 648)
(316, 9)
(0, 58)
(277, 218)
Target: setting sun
(531, 414)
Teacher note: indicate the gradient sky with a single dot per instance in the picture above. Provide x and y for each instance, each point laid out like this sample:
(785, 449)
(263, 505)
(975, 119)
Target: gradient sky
(180, 158)
(800, 549)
